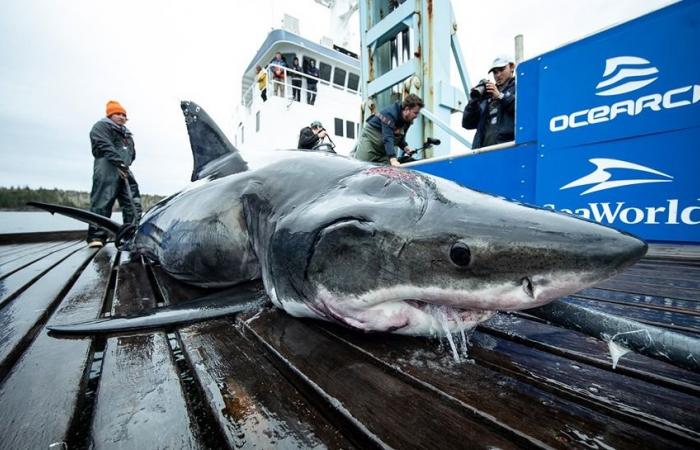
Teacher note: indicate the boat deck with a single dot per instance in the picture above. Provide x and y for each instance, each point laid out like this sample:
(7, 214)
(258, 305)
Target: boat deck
(268, 380)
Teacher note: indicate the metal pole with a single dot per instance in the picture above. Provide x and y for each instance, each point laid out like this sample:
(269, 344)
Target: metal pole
(519, 46)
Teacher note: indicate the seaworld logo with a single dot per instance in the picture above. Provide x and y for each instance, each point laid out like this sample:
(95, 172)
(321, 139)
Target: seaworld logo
(600, 178)
(624, 74)
(672, 212)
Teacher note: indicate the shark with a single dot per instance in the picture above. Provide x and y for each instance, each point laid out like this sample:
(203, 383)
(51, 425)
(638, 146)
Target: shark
(373, 248)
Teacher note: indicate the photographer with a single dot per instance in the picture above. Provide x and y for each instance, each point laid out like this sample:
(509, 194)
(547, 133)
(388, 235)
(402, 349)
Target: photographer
(491, 107)
(310, 136)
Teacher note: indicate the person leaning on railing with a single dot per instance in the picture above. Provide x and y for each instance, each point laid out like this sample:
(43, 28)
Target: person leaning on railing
(278, 65)
(295, 75)
(261, 78)
(311, 81)
(387, 129)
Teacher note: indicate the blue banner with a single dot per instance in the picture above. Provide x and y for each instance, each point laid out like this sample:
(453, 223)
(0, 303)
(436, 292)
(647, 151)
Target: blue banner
(647, 185)
(608, 128)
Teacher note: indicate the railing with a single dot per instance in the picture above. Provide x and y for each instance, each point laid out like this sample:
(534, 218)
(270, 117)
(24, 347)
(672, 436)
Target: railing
(287, 87)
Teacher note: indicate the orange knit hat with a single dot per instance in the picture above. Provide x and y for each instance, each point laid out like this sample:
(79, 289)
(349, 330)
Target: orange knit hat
(113, 107)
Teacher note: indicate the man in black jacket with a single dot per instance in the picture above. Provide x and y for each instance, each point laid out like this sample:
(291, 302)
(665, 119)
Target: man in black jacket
(114, 151)
(311, 136)
(491, 108)
(386, 130)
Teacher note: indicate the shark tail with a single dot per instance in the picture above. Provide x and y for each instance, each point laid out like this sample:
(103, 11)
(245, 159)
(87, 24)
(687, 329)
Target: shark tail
(82, 215)
(122, 233)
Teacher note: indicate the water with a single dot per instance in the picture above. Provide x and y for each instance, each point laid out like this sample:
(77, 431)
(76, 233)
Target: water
(35, 221)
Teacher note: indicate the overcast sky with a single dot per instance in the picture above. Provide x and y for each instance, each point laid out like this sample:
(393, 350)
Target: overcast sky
(60, 61)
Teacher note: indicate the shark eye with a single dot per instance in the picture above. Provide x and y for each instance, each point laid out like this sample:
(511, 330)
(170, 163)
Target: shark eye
(460, 254)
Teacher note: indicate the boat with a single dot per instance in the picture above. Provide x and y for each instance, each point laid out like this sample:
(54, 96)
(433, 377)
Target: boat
(276, 123)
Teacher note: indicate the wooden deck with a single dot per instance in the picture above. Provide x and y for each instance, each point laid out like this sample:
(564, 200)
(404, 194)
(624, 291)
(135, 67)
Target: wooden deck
(268, 380)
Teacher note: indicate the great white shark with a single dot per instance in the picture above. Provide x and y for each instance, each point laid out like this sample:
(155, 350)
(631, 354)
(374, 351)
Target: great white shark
(374, 248)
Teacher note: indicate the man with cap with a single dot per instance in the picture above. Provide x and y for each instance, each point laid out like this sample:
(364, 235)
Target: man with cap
(491, 107)
(310, 136)
(114, 151)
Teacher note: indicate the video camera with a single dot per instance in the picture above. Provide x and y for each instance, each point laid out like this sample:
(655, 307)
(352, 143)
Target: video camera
(429, 142)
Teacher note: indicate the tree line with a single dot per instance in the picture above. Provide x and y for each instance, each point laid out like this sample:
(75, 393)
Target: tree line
(16, 198)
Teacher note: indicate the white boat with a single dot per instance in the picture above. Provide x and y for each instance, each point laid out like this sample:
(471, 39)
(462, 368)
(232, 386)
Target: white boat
(276, 123)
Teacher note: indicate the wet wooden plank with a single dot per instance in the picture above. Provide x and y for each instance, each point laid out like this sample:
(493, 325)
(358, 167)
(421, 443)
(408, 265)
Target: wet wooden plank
(10, 252)
(390, 410)
(42, 236)
(26, 260)
(674, 251)
(140, 403)
(33, 415)
(250, 400)
(644, 289)
(651, 301)
(669, 268)
(653, 279)
(589, 350)
(653, 271)
(551, 419)
(22, 318)
(672, 320)
(655, 408)
(15, 284)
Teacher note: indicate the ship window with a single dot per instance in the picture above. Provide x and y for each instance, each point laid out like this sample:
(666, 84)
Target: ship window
(257, 121)
(350, 129)
(339, 127)
(242, 135)
(339, 77)
(353, 81)
(324, 71)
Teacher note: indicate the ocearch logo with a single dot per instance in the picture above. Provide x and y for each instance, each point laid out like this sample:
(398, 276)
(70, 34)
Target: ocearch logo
(624, 74)
(601, 180)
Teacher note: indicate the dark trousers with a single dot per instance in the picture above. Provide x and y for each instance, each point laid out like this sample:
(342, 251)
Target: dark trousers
(311, 95)
(108, 186)
(296, 89)
(263, 94)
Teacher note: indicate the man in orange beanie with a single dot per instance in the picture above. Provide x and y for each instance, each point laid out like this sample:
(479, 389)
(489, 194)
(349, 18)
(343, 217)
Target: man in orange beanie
(114, 151)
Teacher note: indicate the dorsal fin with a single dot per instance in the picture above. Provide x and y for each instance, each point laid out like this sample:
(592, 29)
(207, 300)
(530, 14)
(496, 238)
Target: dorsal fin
(213, 153)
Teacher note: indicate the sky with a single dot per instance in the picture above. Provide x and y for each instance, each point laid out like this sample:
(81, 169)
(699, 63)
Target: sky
(61, 61)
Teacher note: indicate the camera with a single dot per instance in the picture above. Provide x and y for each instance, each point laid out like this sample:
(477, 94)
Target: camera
(478, 92)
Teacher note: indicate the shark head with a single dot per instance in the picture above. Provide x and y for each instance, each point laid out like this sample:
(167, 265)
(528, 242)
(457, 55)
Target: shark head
(394, 250)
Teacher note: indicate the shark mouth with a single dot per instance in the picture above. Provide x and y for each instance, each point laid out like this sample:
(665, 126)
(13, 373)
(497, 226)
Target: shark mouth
(406, 310)
(450, 314)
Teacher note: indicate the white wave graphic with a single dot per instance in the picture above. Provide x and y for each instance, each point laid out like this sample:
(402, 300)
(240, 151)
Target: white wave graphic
(613, 76)
(600, 178)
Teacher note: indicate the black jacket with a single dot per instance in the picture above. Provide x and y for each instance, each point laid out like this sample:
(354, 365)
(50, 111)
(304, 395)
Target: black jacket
(307, 138)
(476, 116)
(112, 142)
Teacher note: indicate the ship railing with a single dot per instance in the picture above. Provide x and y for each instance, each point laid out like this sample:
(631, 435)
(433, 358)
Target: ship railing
(253, 92)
